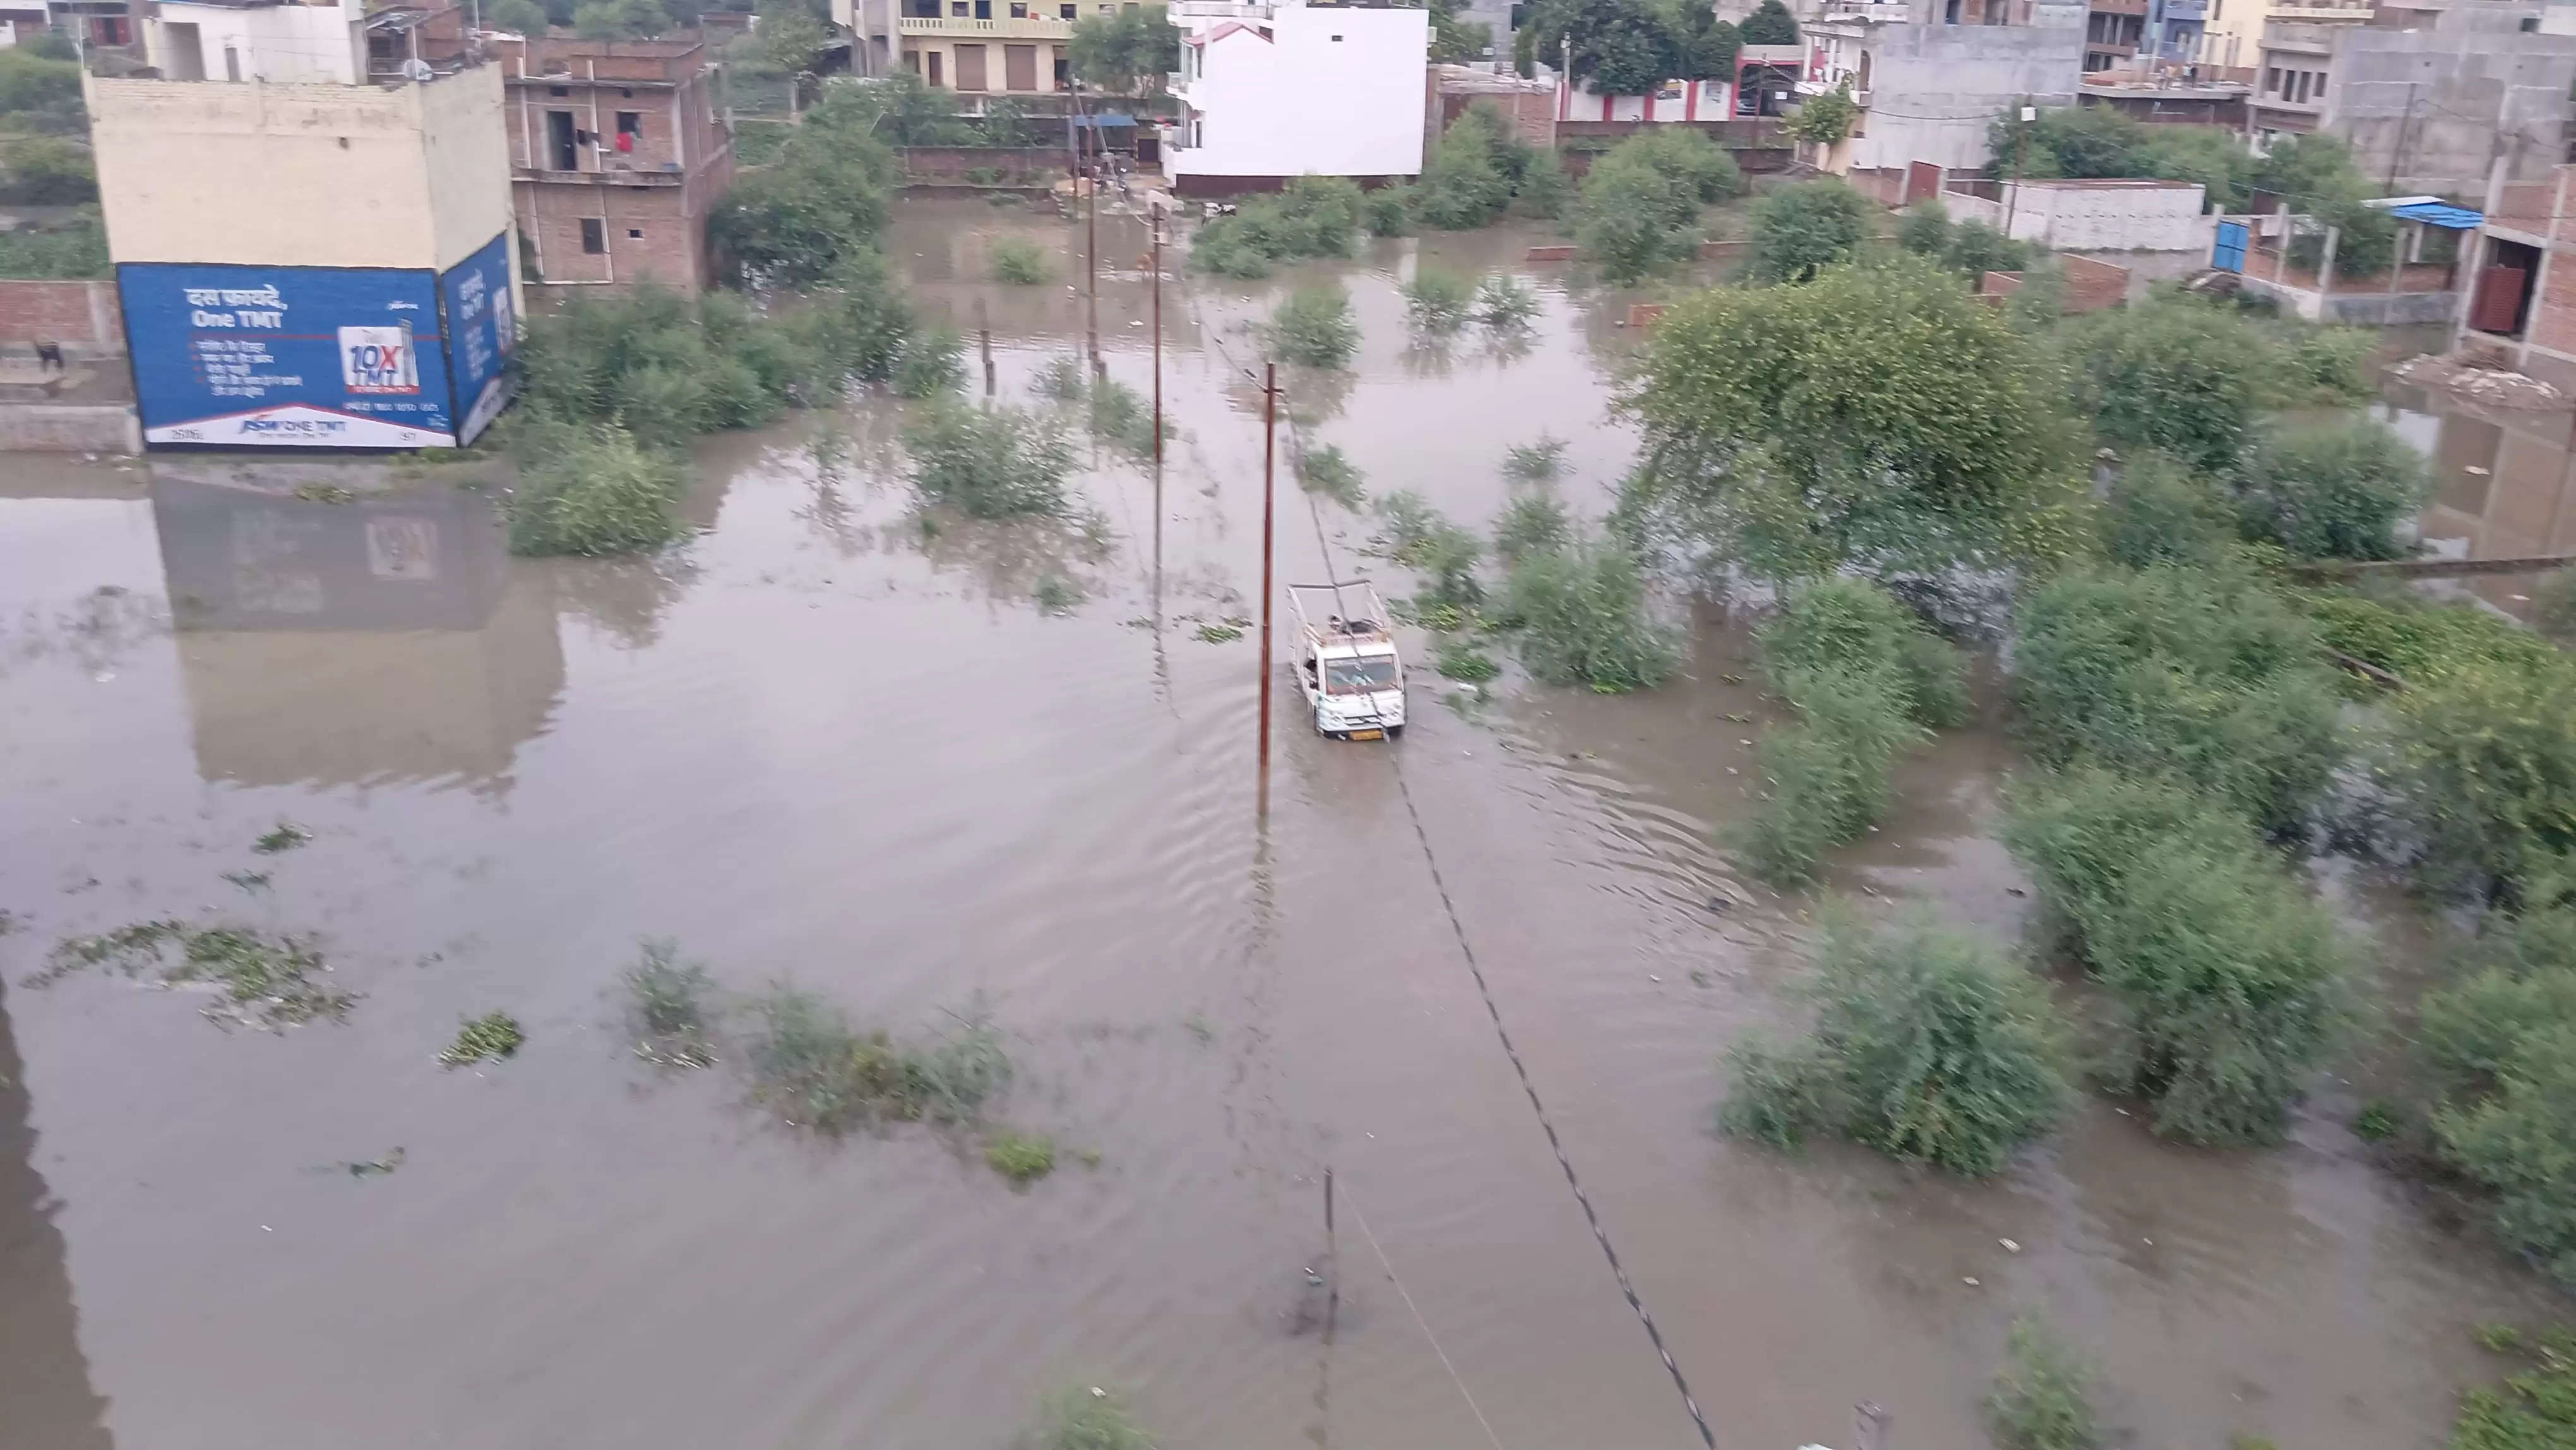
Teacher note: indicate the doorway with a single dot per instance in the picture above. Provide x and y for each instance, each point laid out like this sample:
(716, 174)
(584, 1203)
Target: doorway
(186, 58)
(560, 152)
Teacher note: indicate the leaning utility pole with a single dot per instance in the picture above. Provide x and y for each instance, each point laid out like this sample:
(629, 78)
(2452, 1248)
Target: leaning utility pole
(1269, 437)
(2021, 148)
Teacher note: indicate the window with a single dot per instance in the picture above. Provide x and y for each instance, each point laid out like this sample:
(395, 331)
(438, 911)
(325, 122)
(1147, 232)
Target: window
(630, 123)
(635, 233)
(558, 90)
(1066, 12)
(1019, 9)
(2271, 80)
(594, 235)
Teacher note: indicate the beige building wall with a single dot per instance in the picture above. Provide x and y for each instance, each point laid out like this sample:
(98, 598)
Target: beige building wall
(414, 175)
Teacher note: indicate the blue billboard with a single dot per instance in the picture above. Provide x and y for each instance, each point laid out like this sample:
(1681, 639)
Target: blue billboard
(318, 357)
(482, 332)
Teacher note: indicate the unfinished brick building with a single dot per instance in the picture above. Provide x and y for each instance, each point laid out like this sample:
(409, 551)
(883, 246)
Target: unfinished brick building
(616, 157)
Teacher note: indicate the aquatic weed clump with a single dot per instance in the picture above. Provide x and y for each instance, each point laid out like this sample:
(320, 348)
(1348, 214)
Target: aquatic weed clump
(1089, 1419)
(285, 836)
(488, 1038)
(671, 1007)
(595, 491)
(2533, 1410)
(1325, 469)
(1023, 1158)
(1314, 328)
(1018, 262)
(809, 1062)
(265, 980)
(2043, 1400)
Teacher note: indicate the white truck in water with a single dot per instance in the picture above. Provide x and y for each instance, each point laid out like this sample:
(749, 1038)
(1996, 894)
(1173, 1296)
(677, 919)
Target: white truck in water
(1346, 660)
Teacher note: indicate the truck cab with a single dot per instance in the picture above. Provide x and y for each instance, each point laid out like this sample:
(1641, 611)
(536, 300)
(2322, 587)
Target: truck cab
(1346, 660)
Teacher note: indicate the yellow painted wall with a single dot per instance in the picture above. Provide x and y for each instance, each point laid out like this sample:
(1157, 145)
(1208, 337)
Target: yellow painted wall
(301, 175)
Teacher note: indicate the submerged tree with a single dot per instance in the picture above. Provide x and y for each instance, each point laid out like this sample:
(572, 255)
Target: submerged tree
(1878, 415)
(1125, 52)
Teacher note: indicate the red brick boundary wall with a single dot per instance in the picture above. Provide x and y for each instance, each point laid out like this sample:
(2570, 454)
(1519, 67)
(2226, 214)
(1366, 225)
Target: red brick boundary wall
(82, 316)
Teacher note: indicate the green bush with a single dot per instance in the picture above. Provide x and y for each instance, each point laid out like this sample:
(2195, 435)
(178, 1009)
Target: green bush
(2422, 641)
(1018, 261)
(1539, 462)
(2043, 1399)
(1328, 471)
(2484, 759)
(1503, 300)
(821, 206)
(1478, 167)
(2178, 376)
(1315, 216)
(2534, 1410)
(2157, 511)
(1925, 229)
(2228, 972)
(1634, 218)
(1090, 1419)
(47, 171)
(1314, 328)
(1926, 1047)
(1120, 417)
(596, 490)
(1827, 778)
(2205, 676)
(1023, 1158)
(1388, 211)
(2553, 604)
(1438, 300)
(1802, 229)
(1849, 623)
(1976, 249)
(74, 250)
(1544, 190)
(1532, 524)
(988, 463)
(1584, 620)
(932, 362)
(1687, 155)
(2333, 490)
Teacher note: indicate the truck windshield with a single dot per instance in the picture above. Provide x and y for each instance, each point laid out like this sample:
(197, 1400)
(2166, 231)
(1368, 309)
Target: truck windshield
(1360, 676)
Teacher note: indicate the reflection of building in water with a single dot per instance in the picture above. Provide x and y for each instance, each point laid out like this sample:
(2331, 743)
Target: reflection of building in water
(45, 1394)
(387, 638)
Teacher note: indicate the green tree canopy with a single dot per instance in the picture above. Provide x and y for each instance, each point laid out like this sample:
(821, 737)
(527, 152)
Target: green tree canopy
(1770, 24)
(1878, 415)
(1629, 47)
(1799, 229)
(40, 93)
(519, 17)
(1126, 52)
(821, 204)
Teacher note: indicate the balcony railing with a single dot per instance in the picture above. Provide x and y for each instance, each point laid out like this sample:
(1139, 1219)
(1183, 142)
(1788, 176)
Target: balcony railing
(1003, 27)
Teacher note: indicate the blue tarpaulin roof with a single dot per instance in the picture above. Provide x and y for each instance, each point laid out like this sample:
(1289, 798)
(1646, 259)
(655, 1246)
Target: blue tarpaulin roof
(2438, 214)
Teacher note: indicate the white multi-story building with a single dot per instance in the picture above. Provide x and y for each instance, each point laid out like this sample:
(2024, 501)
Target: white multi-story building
(1274, 91)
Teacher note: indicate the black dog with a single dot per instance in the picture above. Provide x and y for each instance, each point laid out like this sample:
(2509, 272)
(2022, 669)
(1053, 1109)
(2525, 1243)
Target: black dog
(49, 357)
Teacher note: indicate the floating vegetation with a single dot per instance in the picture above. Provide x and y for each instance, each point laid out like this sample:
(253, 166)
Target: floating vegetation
(811, 1064)
(286, 837)
(323, 493)
(1090, 1419)
(1121, 418)
(1023, 1158)
(375, 1167)
(1538, 462)
(671, 1007)
(1219, 633)
(1439, 300)
(1505, 301)
(1200, 1029)
(1314, 328)
(11, 924)
(265, 981)
(2377, 1120)
(1459, 660)
(1062, 379)
(2534, 1410)
(251, 881)
(1532, 524)
(488, 1038)
(1056, 594)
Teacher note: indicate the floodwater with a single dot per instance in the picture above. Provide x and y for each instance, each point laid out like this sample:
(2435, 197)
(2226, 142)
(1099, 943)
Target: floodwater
(819, 745)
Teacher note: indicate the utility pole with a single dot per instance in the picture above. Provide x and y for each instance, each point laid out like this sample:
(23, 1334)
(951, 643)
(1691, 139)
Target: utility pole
(2021, 148)
(1269, 440)
(2397, 157)
(1158, 367)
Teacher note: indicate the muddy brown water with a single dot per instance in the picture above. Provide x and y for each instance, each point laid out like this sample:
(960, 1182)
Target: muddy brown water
(817, 746)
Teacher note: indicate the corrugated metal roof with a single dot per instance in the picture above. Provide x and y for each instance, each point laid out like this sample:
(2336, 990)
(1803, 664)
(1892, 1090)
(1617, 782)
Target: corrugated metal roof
(2439, 214)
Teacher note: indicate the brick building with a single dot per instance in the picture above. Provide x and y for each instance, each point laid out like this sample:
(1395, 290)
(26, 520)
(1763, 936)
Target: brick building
(616, 158)
(2521, 278)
